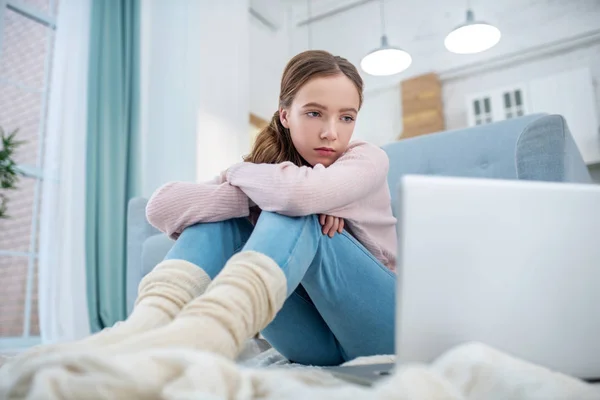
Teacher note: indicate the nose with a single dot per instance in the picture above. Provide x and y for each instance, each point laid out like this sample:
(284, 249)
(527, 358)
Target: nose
(330, 131)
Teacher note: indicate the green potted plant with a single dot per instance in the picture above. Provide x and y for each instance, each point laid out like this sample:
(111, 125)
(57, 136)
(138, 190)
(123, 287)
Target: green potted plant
(9, 172)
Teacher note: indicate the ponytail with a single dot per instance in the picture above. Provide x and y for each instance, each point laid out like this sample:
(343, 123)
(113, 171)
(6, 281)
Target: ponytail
(273, 145)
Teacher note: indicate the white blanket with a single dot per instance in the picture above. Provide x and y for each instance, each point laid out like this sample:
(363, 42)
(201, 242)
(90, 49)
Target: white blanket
(468, 372)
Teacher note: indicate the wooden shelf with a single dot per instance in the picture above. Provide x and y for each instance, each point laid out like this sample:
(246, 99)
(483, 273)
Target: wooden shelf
(422, 106)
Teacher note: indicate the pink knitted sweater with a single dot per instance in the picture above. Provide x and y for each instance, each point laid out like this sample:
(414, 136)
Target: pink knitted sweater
(354, 188)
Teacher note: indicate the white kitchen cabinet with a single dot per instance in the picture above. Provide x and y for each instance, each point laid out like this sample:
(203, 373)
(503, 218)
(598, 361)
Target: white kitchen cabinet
(497, 104)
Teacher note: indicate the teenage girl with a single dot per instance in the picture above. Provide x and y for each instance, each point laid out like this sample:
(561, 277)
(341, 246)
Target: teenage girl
(297, 242)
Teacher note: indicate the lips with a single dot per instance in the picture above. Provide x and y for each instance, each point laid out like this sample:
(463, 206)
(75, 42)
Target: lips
(325, 151)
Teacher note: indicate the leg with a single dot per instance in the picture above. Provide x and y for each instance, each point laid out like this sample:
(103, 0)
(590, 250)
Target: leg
(291, 242)
(245, 296)
(313, 341)
(355, 295)
(351, 294)
(298, 331)
(343, 278)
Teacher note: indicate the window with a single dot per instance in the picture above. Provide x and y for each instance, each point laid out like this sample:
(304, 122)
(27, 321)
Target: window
(26, 42)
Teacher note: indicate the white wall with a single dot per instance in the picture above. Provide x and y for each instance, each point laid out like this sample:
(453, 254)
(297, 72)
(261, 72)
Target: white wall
(380, 119)
(194, 89)
(222, 129)
(269, 53)
(455, 91)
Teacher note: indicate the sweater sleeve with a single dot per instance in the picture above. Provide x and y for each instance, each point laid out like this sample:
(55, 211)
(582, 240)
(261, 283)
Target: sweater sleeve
(296, 191)
(177, 205)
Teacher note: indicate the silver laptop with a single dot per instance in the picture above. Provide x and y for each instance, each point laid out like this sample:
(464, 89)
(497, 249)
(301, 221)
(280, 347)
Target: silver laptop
(512, 264)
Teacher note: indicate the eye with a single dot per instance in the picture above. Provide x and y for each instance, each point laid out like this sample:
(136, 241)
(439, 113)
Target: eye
(348, 118)
(313, 114)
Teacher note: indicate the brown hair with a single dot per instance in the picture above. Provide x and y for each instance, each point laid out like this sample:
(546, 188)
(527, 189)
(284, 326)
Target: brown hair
(274, 144)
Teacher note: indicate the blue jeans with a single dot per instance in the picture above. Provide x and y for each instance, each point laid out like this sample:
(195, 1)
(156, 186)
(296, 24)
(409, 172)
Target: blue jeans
(341, 299)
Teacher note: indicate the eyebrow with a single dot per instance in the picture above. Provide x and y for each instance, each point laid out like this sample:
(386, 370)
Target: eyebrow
(322, 107)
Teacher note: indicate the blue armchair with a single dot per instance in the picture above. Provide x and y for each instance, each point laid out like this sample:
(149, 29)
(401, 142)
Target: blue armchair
(536, 147)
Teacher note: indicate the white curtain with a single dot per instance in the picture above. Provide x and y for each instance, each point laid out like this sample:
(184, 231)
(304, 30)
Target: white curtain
(63, 311)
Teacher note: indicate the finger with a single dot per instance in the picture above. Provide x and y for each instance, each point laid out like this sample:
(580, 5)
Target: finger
(328, 224)
(334, 227)
(341, 227)
(322, 219)
(324, 224)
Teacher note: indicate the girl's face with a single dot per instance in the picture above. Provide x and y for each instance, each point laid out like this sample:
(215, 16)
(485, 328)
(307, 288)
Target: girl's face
(321, 118)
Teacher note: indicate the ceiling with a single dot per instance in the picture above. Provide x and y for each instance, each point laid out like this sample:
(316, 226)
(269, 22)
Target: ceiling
(420, 27)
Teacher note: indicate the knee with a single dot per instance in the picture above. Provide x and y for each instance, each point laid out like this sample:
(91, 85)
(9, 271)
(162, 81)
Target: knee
(206, 230)
(196, 239)
(275, 220)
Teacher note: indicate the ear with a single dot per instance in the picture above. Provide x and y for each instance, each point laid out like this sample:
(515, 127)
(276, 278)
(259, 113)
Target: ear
(283, 117)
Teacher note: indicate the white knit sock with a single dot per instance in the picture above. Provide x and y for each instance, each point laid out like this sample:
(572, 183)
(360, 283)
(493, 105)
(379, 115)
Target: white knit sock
(242, 300)
(161, 295)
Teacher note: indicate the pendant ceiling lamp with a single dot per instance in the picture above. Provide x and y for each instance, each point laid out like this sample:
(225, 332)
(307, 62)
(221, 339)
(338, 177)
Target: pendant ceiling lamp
(472, 36)
(386, 60)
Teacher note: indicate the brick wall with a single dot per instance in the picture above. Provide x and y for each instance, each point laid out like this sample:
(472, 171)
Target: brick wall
(26, 47)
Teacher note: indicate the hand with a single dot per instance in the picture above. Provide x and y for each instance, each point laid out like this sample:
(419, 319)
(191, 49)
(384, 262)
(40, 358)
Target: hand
(331, 224)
